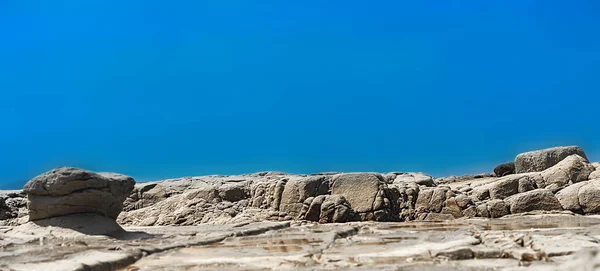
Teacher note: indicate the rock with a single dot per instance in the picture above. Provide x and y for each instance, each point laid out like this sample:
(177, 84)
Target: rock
(297, 190)
(11, 204)
(435, 217)
(482, 210)
(569, 197)
(431, 200)
(72, 225)
(457, 253)
(505, 169)
(311, 210)
(589, 197)
(505, 187)
(596, 173)
(497, 208)
(572, 169)
(65, 191)
(235, 191)
(451, 207)
(539, 199)
(336, 209)
(470, 211)
(454, 179)
(366, 193)
(536, 161)
(418, 178)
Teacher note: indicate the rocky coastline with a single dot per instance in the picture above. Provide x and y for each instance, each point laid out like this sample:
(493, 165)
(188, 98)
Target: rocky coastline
(146, 226)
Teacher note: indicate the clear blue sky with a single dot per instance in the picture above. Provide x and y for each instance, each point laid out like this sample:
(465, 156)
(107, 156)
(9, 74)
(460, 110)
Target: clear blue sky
(157, 89)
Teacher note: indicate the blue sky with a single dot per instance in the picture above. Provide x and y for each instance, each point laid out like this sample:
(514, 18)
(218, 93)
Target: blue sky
(155, 89)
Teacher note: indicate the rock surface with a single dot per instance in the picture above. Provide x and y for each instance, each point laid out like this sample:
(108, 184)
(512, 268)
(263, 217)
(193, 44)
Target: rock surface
(504, 169)
(66, 191)
(468, 218)
(540, 160)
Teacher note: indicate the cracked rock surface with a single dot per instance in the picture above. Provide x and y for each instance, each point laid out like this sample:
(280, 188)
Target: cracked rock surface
(542, 216)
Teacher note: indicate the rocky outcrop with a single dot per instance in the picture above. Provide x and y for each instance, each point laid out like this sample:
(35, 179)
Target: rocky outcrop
(540, 160)
(418, 178)
(13, 204)
(324, 197)
(297, 190)
(327, 209)
(505, 169)
(367, 193)
(535, 200)
(66, 191)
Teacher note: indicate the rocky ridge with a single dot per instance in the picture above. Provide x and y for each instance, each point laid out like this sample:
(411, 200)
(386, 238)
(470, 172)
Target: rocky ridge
(558, 181)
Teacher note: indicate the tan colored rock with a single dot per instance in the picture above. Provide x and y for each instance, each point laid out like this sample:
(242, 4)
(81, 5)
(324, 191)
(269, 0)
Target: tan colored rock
(536, 161)
(539, 199)
(66, 191)
(297, 190)
(572, 169)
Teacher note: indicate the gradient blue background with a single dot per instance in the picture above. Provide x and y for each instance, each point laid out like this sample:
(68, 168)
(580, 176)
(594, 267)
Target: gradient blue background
(157, 89)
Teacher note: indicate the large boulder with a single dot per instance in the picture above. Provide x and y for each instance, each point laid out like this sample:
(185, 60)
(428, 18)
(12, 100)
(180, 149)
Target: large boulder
(327, 209)
(505, 169)
(572, 169)
(534, 200)
(68, 190)
(297, 190)
(536, 161)
(366, 193)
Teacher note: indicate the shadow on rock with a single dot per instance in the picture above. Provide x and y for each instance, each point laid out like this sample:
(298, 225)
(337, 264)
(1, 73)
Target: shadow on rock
(80, 224)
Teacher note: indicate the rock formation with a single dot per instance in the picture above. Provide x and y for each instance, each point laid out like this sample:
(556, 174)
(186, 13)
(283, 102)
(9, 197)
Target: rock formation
(66, 191)
(558, 181)
(536, 161)
(505, 169)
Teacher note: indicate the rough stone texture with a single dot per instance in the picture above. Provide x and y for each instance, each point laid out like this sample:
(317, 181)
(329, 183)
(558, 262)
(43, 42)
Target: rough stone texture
(569, 197)
(418, 178)
(505, 169)
(65, 191)
(505, 187)
(497, 208)
(366, 193)
(12, 205)
(572, 169)
(539, 199)
(589, 197)
(336, 209)
(596, 173)
(536, 161)
(297, 190)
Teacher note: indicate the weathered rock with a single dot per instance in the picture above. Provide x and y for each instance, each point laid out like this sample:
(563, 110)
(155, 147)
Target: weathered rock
(539, 199)
(418, 178)
(431, 200)
(505, 169)
(366, 193)
(451, 207)
(311, 209)
(505, 187)
(65, 191)
(536, 161)
(336, 209)
(572, 169)
(235, 191)
(11, 204)
(497, 208)
(589, 197)
(297, 190)
(596, 173)
(569, 197)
